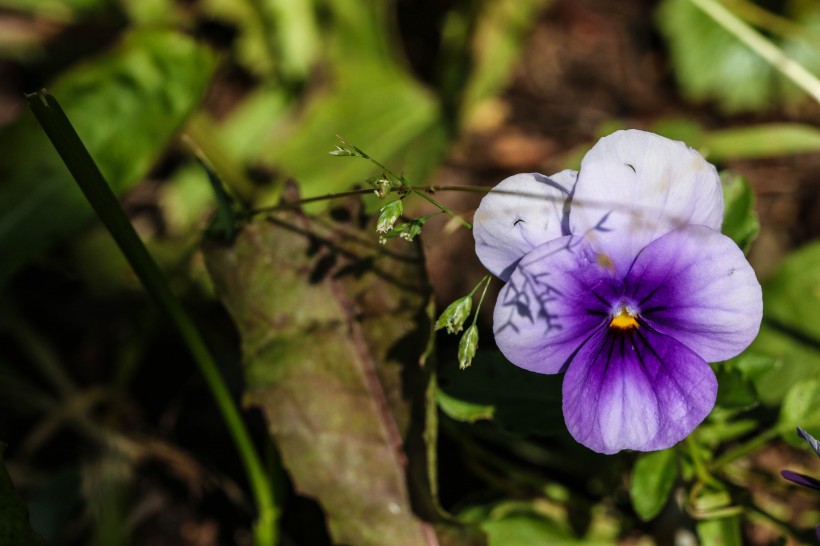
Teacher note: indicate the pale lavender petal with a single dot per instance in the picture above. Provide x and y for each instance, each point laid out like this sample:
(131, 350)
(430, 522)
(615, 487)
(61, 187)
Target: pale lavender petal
(556, 297)
(634, 187)
(695, 285)
(519, 214)
(801, 479)
(638, 390)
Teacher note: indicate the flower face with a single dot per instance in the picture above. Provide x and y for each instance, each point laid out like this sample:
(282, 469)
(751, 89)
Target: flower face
(630, 290)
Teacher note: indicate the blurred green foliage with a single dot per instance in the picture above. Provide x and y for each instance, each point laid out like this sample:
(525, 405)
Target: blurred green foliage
(334, 327)
(710, 64)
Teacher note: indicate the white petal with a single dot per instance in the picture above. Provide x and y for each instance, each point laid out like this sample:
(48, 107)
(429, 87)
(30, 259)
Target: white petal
(634, 187)
(522, 212)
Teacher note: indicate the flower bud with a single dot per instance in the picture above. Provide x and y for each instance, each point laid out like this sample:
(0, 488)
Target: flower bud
(382, 186)
(412, 229)
(388, 215)
(455, 315)
(467, 347)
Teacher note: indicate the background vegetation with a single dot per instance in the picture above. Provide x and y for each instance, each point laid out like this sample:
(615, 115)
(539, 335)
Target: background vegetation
(366, 429)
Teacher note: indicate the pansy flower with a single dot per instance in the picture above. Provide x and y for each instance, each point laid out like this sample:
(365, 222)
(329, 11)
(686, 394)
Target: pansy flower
(619, 277)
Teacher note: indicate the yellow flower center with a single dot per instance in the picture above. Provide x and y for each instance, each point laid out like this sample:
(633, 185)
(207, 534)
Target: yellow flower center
(623, 321)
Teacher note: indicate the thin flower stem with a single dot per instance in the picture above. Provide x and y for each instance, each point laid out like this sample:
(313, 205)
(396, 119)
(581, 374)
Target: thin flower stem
(780, 524)
(444, 209)
(478, 284)
(744, 449)
(422, 191)
(486, 280)
(760, 45)
(82, 167)
(700, 468)
(765, 19)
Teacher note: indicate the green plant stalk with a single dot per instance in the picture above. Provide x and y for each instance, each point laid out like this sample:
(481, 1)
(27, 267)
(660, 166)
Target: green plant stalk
(444, 209)
(749, 447)
(486, 280)
(772, 54)
(98, 193)
(700, 468)
(764, 19)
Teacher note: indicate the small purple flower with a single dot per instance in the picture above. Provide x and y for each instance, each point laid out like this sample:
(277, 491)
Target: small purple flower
(619, 276)
(802, 479)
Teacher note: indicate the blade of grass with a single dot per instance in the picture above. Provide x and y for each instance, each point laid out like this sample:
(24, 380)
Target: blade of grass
(105, 204)
(755, 41)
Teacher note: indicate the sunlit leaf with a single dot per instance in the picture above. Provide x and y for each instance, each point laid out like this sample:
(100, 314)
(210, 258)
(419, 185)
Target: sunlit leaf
(333, 327)
(758, 141)
(709, 62)
(801, 408)
(739, 219)
(126, 106)
(653, 477)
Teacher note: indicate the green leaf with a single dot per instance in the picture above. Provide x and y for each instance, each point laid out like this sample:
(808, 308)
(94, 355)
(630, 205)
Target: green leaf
(372, 100)
(739, 219)
(735, 390)
(718, 519)
(331, 340)
(710, 63)
(520, 523)
(792, 297)
(790, 333)
(801, 407)
(492, 388)
(14, 524)
(721, 531)
(793, 361)
(126, 105)
(759, 141)
(653, 477)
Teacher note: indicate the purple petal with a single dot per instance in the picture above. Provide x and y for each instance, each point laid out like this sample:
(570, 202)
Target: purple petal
(815, 445)
(634, 187)
(695, 285)
(801, 479)
(553, 301)
(522, 212)
(639, 390)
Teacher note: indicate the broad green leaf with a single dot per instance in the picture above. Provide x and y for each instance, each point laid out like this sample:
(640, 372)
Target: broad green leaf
(492, 388)
(710, 63)
(126, 105)
(382, 110)
(519, 523)
(739, 219)
(721, 531)
(718, 519)
(790, 333)
(277, 39)
(653, 477)
(331, 338)
(801, 408)
(791, 298)
(793, 361)
(14, 523)
(735, 390)
(759, 141)
(371, 100)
